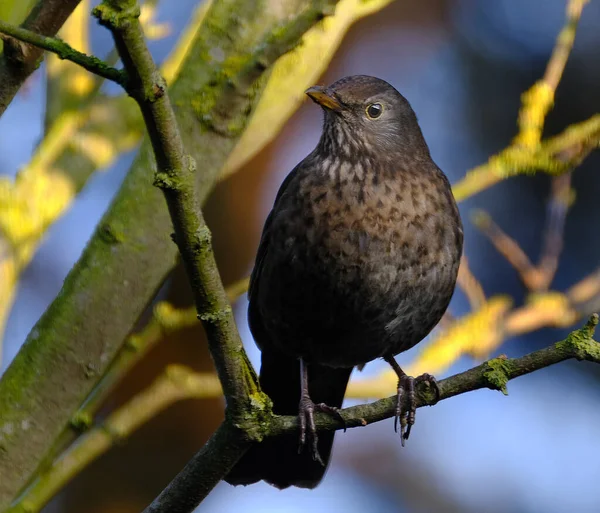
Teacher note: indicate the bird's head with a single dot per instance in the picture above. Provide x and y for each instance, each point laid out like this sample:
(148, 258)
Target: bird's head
(367, 114)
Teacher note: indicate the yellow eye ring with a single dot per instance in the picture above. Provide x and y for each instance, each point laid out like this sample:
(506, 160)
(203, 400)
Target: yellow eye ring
(374, 110)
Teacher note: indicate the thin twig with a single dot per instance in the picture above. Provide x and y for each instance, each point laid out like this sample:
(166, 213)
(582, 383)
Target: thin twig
(536, 278)
(18, 61)
(528, 152)
(494, 374)
(165, 320)
(558, 207)
(504, 244)
(470, 285)
(564, 44)
(539, 99)
(555, 156)
(63, 50)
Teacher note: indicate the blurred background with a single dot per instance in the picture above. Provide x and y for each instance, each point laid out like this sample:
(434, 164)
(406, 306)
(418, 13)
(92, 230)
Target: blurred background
(463, 65)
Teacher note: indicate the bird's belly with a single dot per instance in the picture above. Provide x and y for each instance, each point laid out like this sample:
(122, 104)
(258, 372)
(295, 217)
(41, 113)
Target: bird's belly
(342, 307)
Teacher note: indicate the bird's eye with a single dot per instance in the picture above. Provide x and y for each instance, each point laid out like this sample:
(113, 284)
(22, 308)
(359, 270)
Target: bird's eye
(374, 110)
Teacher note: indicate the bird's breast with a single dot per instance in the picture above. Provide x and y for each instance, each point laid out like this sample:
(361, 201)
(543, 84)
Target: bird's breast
(376, 225)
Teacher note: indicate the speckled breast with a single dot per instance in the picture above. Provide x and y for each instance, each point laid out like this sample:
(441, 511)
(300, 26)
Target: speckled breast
(363, 264)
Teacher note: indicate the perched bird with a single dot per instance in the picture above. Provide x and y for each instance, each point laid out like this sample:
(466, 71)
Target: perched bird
(358, 260)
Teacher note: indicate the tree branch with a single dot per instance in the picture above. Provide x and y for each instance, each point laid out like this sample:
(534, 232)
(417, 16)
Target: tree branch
(165, 319)
(175, 176)
(179, 383)
(493, 374)
(18, 61)
(87, 323)
(65, 51)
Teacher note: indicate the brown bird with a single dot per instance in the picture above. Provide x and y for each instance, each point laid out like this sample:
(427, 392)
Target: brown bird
(358, 260)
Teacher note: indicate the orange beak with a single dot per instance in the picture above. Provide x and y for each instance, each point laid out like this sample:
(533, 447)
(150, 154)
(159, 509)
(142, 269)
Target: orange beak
(323, 97)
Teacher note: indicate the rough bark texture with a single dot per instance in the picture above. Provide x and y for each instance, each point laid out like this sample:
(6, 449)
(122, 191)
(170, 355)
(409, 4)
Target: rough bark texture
(130, 253)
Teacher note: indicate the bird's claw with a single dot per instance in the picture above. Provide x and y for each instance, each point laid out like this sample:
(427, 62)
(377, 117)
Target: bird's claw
(308, 429)
(406, 404)
(332, 411)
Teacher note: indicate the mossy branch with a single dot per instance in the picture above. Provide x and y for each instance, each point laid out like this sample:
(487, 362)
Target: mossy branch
(493, 374)
(179, 383)
(175, 176)
(19, 60)
(87, 323)
(63, 50)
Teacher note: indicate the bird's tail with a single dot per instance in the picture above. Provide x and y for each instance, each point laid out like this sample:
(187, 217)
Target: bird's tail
(276, 460)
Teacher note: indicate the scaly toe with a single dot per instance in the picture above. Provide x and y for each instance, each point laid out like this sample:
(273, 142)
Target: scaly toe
(308, 430)
(332, 411)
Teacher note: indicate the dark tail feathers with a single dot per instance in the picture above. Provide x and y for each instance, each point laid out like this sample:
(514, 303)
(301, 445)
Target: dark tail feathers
(277, 460)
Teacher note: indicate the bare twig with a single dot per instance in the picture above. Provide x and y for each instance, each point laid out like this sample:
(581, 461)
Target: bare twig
(504, 244)
(469, 284)
(536, 278)
(165, 320)
(558, 206)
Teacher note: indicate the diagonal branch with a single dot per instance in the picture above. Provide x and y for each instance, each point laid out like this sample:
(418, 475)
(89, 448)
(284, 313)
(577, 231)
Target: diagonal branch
(558, 207)
(539, 99)
(65, 51)
(536, 278)
(175, 175)
(493, 374)
(83, 329)
(19, 60)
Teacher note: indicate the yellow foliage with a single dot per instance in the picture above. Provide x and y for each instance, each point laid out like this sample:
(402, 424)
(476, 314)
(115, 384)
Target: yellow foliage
(97, 147)
(475, 334)
(173, 62)
(28, 205)
(75, 31)
(152, 30)
(537, 101)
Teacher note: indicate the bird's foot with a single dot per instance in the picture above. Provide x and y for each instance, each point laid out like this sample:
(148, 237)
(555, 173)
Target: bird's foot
(406, 404)
(308, 430)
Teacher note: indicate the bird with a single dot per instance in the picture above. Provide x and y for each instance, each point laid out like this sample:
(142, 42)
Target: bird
(358, 260)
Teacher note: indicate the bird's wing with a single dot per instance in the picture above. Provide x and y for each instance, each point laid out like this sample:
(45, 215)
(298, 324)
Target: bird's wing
(254, 317)
(264, 239)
